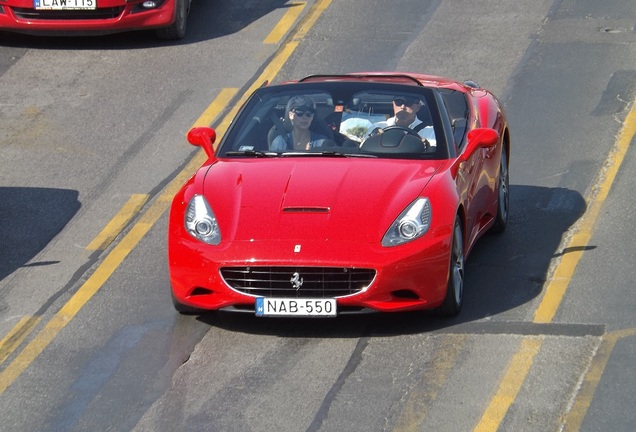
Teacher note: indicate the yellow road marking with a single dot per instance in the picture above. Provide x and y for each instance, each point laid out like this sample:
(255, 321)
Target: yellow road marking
(511, 383)
(118, 222)
(416, 407)
(213, 110)
(16, 335)
(310, 19)
(574, 418)
(83, 294)
(277, 62)
(99, 277)
(285, 23)
(560, 280)
(150, 217)
(555, 290)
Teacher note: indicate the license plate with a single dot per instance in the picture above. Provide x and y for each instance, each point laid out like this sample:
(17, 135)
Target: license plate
(65, 4)
(295, 307)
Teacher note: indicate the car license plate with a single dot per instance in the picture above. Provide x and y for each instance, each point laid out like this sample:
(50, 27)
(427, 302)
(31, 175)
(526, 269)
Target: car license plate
(65, 4)
(295, 307)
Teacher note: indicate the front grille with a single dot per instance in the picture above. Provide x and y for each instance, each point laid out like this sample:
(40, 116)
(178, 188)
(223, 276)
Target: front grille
(97, 14)
(317, 282)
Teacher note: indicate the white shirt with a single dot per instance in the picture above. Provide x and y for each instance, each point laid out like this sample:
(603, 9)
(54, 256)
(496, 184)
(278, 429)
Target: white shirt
(426, 132)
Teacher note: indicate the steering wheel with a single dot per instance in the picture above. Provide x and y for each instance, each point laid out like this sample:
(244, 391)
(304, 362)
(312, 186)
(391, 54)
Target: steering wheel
(406, 130)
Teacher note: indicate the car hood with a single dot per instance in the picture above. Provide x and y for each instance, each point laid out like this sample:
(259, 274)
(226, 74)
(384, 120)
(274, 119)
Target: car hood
(350, 199)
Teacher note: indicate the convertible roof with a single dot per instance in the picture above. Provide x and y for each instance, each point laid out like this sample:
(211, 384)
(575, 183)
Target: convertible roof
(394, 78)
(420, 80)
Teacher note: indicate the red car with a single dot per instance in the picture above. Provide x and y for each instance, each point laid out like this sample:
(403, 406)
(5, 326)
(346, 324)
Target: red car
(336, 194)
(60, 17)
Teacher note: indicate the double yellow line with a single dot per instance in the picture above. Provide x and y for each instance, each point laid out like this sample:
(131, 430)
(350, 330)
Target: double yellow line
(120, 251)
(520, 364)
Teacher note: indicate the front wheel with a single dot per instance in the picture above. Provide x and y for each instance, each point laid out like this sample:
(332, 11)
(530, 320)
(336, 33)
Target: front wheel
(501, 220)
(455, 290)
(177, 30)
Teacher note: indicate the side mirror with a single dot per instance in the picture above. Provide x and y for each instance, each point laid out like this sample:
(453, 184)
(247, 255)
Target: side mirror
(479, 138)
(476, 139)
(485, 137)
(203, 136)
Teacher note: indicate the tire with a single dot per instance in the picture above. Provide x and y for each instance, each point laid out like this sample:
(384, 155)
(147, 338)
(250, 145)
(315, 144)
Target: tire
(503, 192)
(455, 290)
(177, 30)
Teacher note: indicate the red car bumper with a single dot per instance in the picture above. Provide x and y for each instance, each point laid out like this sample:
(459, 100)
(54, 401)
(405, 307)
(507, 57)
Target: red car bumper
(407, 277)
(110, 16)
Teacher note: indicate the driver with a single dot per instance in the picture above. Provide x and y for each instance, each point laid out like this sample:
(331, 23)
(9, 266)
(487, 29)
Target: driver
(405, 114)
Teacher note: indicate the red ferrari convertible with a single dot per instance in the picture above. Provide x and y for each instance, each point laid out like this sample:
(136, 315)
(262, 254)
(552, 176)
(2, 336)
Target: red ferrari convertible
(337, 194)
(61, 17)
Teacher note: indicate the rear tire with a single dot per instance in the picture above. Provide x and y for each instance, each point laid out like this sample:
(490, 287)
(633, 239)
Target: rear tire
(177, 30)
(455, 291)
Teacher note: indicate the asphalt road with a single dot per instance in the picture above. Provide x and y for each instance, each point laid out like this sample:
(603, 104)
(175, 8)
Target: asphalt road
(92, 137)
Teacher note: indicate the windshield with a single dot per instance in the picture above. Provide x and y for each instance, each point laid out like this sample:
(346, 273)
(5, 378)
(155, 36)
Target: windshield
(343, 119)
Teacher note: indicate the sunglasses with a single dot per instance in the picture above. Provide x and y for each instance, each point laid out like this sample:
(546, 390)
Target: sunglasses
(304, 113)
(404, 101)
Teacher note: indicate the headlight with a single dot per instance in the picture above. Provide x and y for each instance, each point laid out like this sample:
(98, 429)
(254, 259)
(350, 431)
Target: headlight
(412, 223)
(201, 222)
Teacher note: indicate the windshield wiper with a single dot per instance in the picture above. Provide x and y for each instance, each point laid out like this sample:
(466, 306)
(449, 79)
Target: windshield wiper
(251, 153)
(333, 153)
(313, 154)
(324, 153)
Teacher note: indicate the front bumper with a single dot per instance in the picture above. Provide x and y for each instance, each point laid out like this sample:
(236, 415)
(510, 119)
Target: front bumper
(111, 16)
(407, 277)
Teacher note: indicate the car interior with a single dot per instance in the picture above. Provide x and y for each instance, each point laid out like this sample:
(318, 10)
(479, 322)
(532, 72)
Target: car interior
(347, 124)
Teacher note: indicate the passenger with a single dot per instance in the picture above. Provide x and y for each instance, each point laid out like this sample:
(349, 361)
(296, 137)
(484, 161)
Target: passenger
(405, 114)
(300, 111)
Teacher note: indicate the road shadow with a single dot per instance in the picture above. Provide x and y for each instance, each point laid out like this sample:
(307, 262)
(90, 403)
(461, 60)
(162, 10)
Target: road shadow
(503, 272)
(208, 19)
(29, 219)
